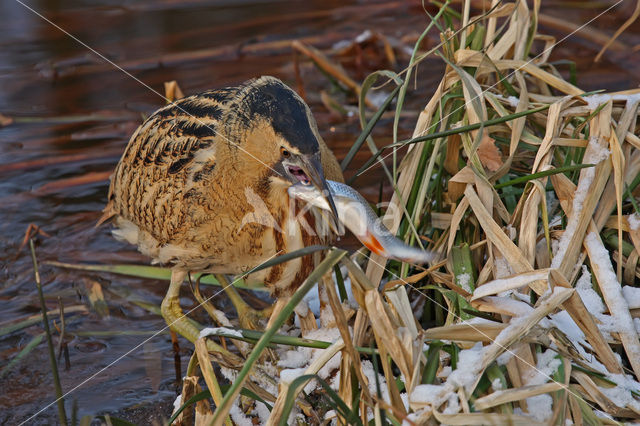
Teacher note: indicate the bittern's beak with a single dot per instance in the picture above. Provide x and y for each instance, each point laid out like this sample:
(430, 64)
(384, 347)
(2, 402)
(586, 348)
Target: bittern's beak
(312, 174)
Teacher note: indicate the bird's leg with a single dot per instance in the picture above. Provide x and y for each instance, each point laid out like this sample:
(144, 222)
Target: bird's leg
(176, 319)
(172, 312)
(249, 318)
(178, 322)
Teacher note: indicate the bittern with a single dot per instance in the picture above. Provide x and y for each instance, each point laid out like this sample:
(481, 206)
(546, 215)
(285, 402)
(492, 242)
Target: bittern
(189, 178)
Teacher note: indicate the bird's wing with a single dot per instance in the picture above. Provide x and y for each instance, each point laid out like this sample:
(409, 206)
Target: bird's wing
(169, 153)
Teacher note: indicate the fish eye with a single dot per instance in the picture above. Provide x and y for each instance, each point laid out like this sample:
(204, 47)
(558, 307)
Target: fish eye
(284, 152)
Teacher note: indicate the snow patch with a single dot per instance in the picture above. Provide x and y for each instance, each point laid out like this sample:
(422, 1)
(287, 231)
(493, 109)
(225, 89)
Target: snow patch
(611, 287)
(503, 269)
(511, 100)
(238, 416)
(331, 414)
(364, 36)
(590, 298)
(594, 101)
(296, 361)
(507, 304)
(263, 412)
(220, 331)
(369, 372)
(444, 372)
(302, 308)
(453, 404)
(593, 302)
(464, 281)
(496, 384)
(313, 299)
(596, 154)
(602, 414)
(469, 360)
(546, 366)
(327, 319)
(405, 400)
(504, 357)
(621, 394)
(427, 394)
(634, 221)
(177, 403)
(563, 321)
(288, 375)
(539, 407)
(632, 296)
(621, 318)
(293, 359)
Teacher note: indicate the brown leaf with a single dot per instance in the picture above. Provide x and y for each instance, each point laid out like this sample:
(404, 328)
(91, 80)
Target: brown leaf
(489, 154)
(452, 158)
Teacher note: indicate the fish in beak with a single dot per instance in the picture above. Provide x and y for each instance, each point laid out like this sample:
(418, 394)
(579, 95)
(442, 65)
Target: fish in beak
(308, 170)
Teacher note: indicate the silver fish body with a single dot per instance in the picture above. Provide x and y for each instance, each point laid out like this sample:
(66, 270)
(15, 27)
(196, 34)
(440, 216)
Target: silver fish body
(356, 214)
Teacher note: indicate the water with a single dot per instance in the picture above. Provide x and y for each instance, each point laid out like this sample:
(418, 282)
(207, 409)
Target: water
(54, 174)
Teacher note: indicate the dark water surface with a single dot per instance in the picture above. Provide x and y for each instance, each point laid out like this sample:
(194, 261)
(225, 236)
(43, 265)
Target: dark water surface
(54, 169)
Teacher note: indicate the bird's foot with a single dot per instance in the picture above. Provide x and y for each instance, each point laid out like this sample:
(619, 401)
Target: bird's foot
(180, 323)
(251, 319)
(248, 317)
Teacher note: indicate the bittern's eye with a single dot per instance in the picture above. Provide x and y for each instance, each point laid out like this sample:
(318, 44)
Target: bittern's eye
(285, 153)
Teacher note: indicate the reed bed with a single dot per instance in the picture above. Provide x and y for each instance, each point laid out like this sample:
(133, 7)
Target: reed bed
(524, 185)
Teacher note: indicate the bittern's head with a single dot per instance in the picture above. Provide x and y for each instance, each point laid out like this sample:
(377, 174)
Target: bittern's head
(290, 140)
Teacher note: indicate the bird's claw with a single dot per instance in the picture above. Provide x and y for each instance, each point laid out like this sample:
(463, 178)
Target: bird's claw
(251, 319)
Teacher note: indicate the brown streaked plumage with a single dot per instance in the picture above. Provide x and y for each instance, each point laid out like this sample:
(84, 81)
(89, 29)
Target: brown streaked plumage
(190, 185)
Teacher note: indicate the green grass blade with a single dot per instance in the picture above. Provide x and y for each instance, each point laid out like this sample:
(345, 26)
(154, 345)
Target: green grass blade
(62, 415)
(289, 256)
(527, 178)
(252, 336)
(407, 79)
(367, 130)
(340, 283)
(463, 267)
(159, 273)
(195, 398)
(634, 203)
(145, 271)
(366, 86)
(35, 319)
